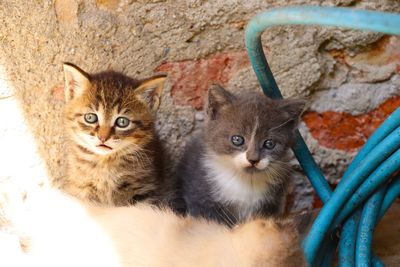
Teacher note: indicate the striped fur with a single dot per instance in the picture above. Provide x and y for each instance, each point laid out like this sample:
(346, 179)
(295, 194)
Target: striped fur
(108, 164)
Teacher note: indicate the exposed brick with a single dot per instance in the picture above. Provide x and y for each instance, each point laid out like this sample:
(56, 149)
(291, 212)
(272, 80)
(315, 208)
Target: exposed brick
(192, 78)
(339, 56)
(377, 63)
(317, 202)
(344, 131)
(384, 52)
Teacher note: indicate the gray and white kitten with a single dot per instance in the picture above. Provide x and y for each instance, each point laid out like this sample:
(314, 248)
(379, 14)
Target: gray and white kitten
(235, 168)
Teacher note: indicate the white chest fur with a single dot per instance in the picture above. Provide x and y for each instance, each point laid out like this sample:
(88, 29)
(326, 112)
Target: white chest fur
(230, 186)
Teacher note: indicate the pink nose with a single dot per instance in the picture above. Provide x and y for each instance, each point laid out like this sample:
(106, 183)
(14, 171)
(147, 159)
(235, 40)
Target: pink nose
(104, 134)
(103, 139)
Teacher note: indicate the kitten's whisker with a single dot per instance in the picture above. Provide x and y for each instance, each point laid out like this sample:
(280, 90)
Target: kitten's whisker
(282, 164)
(282, 124)
(225, 214)
(232, 214)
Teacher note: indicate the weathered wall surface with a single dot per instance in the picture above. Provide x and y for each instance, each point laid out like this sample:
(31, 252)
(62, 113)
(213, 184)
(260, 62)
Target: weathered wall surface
(352, 78)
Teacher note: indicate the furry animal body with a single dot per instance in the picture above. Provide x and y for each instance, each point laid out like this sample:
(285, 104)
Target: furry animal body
(114, 155)
(55, 229)
(235, 169)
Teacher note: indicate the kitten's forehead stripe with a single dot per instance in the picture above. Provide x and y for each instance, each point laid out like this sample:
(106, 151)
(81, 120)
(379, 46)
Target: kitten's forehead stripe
(94, 106)
(98, 101)
(118, 95)
(253, 116)
(117, 103)
(103, 99)
(255, 128)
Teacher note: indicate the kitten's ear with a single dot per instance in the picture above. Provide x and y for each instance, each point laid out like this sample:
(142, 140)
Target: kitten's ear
(293, 107)
(217, 99)
(76, 81)
(149, 91)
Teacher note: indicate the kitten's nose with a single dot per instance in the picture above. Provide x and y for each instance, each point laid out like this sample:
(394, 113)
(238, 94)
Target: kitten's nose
(253, 162)
(102, 138)
(103, 134)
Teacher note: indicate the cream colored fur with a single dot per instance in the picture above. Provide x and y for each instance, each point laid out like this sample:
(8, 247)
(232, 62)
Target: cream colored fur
(57, 230)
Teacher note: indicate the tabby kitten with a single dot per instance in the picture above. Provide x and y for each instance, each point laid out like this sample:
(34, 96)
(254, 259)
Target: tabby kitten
(236, 167)
(114, 153)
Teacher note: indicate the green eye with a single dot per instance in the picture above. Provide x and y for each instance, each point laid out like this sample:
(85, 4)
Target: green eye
(122, 122)
(90, 117)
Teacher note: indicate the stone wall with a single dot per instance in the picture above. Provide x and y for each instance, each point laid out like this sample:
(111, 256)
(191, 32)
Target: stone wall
(351, 78)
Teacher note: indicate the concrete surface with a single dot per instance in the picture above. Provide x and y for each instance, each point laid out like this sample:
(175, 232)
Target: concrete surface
(196, 42)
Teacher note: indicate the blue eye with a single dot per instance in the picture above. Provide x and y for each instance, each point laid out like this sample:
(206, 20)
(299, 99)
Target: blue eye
(269, 144)
(122, 122)
(90, 117)
(237, 140)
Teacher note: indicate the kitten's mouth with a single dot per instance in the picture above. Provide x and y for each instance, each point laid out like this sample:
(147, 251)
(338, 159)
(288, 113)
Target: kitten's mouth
(251, 169)
(103, 146)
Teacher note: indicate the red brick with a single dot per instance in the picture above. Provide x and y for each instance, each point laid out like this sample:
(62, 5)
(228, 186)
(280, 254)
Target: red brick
(192, 78)
(317, 202)
(383, 52)
(344, 131)
(368, 65)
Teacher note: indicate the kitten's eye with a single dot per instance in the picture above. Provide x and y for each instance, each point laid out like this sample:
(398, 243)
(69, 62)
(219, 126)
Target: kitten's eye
(90, 117)
(122, 122)
(269, 144)
(237, 140)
